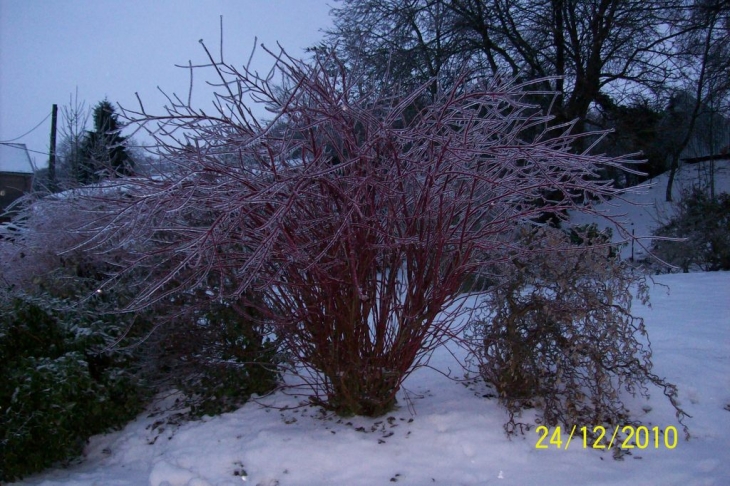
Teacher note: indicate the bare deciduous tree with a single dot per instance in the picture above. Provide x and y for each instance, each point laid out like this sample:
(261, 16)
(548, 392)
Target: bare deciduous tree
(703, 57)
(73, 132)
(580, 48)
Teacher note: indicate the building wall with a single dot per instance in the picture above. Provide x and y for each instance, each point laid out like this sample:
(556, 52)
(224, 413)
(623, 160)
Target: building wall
(12, 186)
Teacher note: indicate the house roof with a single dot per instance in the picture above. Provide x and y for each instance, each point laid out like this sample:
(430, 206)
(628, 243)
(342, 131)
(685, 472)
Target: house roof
(14, 157)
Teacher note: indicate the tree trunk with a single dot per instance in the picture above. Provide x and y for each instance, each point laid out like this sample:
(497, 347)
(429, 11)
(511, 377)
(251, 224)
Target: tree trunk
(672, 173)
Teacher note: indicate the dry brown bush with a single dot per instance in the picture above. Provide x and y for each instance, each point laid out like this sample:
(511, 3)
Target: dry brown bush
(557, 333)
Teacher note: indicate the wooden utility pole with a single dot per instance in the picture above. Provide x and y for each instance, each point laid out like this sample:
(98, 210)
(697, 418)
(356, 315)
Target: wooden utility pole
(52, 155)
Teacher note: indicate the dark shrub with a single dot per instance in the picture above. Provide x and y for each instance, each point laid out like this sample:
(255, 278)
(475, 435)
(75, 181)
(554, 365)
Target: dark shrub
(58, 384)
(704, 224)
(217, 353)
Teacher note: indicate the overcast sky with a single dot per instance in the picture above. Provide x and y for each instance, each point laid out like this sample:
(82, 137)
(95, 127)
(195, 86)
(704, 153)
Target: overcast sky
(112, 49)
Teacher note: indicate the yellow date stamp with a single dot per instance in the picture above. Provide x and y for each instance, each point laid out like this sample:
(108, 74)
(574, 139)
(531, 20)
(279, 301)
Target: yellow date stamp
(599, 437)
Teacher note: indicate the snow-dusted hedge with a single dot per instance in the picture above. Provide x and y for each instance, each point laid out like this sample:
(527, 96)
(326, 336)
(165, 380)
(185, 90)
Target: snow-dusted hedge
(76, 362)
(218, 353)
(59, 382)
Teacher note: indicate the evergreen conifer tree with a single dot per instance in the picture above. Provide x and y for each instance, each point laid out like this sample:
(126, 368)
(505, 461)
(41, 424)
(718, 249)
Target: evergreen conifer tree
(103, 153)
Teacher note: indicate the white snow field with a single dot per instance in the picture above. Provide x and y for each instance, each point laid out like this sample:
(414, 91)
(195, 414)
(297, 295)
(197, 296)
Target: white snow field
(445, 432)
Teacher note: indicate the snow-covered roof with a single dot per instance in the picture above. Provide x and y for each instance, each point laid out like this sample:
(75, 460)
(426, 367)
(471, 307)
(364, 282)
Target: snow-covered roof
(14, 158)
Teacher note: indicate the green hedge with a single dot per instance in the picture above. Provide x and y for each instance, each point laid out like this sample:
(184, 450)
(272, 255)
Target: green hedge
(218, 354)
(58, 384)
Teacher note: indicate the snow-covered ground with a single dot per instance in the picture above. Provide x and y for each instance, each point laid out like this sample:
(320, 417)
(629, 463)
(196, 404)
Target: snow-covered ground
(446, 432)
(643, 208)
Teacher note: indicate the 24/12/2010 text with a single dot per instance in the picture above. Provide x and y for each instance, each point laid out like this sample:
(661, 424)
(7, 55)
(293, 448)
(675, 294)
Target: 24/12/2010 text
(596, 437)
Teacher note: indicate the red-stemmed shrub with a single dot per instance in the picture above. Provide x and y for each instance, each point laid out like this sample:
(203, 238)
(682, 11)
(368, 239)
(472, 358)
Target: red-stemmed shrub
(356, 213)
